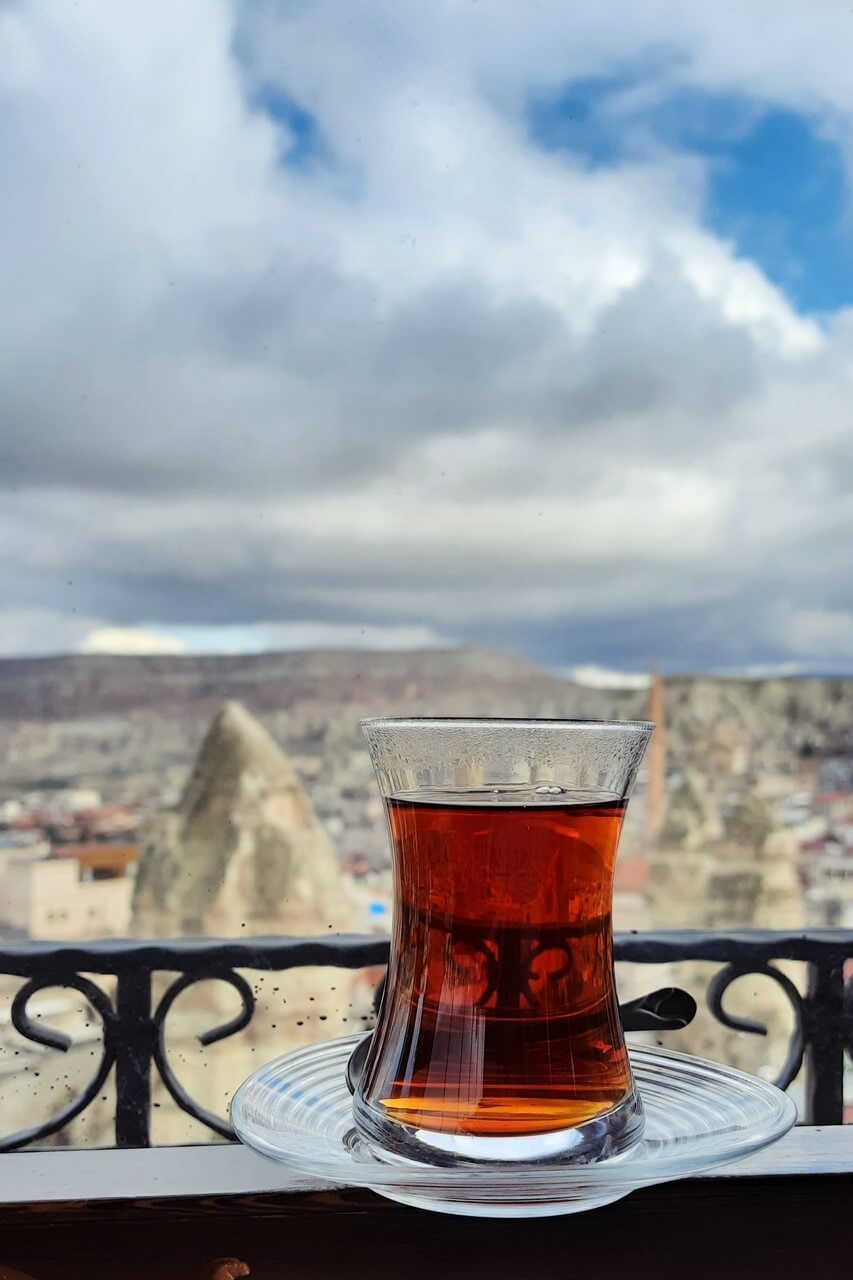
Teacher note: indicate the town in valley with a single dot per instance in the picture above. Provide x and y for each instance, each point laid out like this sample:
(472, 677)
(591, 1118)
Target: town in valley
(222, 796)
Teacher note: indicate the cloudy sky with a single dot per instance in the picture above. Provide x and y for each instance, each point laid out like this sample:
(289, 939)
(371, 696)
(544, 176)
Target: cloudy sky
(374, 323)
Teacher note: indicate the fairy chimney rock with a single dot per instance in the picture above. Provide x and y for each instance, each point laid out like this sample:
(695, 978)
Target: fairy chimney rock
(244, 851)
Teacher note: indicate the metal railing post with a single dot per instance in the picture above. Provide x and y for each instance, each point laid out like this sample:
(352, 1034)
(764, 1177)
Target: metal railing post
(133, 1047)
(825, 1043)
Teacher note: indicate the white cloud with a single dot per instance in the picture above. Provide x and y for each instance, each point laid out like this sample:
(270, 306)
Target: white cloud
(272, 636)
(130, 640)
(606, 678)
(41, 632)
(442, 383)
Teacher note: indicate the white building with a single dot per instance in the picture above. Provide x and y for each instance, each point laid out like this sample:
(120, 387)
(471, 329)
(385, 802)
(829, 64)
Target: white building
(59, 899)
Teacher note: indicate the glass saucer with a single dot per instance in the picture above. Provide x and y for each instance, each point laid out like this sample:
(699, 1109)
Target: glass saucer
(297, 1110)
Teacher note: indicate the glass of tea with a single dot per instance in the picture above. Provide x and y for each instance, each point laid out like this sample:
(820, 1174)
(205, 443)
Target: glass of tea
(499, 1035)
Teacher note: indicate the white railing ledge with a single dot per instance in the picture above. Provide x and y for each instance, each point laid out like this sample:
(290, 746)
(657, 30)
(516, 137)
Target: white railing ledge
(161, 1172)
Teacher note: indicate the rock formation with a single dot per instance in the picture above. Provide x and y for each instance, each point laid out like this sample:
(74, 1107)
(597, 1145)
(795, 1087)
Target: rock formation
(721, 871)
(243, 852)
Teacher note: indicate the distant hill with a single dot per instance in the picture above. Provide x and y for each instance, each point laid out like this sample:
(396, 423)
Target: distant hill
(131, 725)
(467, 679)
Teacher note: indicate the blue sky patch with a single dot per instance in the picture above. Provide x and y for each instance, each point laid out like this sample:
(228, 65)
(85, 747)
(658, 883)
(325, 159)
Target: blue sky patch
(302, 138)
(779, 194)
(776, 181)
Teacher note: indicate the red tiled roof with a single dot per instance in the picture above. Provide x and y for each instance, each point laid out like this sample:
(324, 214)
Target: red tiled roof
(95, 854)
(29, 822)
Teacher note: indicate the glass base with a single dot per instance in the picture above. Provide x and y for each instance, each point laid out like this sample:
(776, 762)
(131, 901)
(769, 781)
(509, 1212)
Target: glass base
(605, 1137)
(445, 1203)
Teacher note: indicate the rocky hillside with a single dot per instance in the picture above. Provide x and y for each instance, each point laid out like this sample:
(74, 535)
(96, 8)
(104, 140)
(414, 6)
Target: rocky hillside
(767, 717)
(130, 726)
(78, 686)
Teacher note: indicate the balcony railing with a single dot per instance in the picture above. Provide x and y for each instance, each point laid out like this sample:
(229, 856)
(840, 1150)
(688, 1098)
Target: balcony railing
(133, 1040)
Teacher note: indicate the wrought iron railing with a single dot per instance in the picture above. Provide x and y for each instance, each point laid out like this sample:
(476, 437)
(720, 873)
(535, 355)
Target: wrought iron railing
(133, 1038)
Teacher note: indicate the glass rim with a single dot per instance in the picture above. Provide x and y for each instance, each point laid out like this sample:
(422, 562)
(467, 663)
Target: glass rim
(521, 722)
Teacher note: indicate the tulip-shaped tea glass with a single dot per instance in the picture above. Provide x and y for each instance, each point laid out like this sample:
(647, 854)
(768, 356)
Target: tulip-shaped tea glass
(499, 1035)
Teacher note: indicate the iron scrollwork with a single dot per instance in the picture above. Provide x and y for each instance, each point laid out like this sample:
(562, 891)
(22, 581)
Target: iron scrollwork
(719, 985)
(49, 1038)
(133, 1038)
(230, 1028)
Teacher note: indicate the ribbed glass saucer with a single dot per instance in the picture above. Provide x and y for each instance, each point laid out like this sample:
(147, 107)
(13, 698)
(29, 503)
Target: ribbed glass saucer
(297, 1110)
